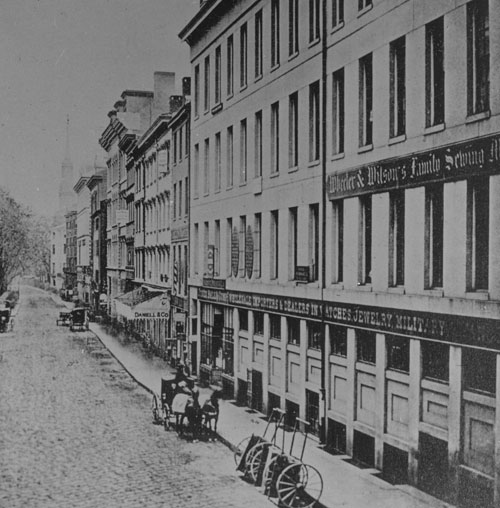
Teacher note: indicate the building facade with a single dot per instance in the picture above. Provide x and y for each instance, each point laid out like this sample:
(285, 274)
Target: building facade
(83, 240)
(343, 214)
(70, 285)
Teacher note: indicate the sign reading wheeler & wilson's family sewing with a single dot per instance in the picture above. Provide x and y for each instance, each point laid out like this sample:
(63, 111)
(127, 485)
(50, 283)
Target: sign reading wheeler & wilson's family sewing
(452, 162)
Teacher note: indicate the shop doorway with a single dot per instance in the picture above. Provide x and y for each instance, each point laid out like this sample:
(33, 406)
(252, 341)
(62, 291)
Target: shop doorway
(273, 401)
(312, 411)
(363, 449)
(241, 395)
(337, 437)
(256, 402)
(395, 465)
(292, 412)
(433, 466)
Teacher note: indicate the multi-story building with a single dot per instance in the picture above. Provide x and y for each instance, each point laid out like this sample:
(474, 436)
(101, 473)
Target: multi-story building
(83, 241)
(57, 255)
(345, 167)
(71, 255)
(179, 149)
(98, 206)
(132, 115)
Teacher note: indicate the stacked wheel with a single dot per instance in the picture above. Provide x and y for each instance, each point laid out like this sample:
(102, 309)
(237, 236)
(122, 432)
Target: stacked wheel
(299, 486)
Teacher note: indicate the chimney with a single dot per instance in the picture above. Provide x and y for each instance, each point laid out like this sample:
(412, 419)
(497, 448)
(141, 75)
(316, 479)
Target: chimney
(186, 86)
(164, 87)
(176, 103)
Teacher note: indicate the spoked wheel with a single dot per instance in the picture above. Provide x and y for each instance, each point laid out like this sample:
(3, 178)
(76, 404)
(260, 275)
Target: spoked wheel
(240, 450)
(299, 486)
(256, 461)
(271, 472)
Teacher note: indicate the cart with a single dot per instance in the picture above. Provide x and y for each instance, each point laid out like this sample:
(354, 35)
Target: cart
(251, 453)
(64, 318)
(79, 320)
(287, 478)
(161, 404)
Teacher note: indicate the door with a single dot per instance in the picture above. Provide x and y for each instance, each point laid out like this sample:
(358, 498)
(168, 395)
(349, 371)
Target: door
(256, 390)
(433, 465)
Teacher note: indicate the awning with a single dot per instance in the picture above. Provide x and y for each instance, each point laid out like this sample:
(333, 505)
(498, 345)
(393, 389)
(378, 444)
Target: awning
(127, 302)
(157, 307)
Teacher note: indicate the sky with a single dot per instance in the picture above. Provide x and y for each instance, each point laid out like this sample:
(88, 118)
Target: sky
(75, 57)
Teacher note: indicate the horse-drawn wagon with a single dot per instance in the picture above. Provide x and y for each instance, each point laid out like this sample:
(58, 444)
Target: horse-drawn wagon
(79, 319)
(64, 318)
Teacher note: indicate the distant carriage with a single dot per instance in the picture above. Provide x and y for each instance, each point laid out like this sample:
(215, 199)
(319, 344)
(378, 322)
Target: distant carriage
(79, 320)
(64, 318)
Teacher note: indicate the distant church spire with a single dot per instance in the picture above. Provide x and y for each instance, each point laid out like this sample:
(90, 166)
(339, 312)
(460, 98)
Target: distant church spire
(66, 182)
(66, 151)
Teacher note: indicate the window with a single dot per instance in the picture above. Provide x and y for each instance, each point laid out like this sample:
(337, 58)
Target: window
(243, 55)
(243, 151)
(206, 232)
(398, 353)
(397, 238)
(365, 240)
(243, 319)
(478, 57)
(241, 245)
(338, 112)
(338, 340)
(293, 27)
(275, 138)
(258, 323)
(434, 236)
(207, 84)
(338, 241)
(229, 157)
(397, 88)
(197, 90)
(478, 203)
(179, 136)
(293, 130)
(186, 200)
(434, 73)
(314, 122)
(174, 143)
(275, 33)
(314, 335)
(479, 370)
(337, 13)
(257, 253)
(180, 199)
(217, 162)
(275, 326)
(258, 143)
(314, 25)
(230, 66)
(274, 244)
(365, 100)
(196, 172)
(175, 201)
(365, 346)
(258, 44)
(206, 168)
(229, 237)
(293, 331)
(435, 360)
(313, 242)
(217, 249)
(364, 4)
(293, 241)
(218, 63)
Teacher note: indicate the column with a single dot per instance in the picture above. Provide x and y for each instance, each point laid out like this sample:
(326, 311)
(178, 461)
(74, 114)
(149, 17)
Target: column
(236, 350)
(303, 374)
(454, 417)
(284, 359)
(351, 389)
(265, 364)
(325, 403)
(414, 410)
(379, 399)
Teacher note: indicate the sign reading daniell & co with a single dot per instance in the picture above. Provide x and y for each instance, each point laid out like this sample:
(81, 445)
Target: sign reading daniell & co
(451, 162)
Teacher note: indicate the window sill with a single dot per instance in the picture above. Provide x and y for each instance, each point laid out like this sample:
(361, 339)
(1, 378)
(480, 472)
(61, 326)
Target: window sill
(293, 169)
(314, 42)
(217, 108)
(364, 10)
(338, 156)
(242, 184)
(293, 55)
(312, 164)
(258, 78)
(366, 148)
(396, 290)
(480, 294)
(274, 175)
(397, 139)
(364, 287)
(243, 87)
(477, 117)
(229, 96)
(337, 27)
(206, 111)
(229, 187)
(437, 292)
(434, 128)
(274, 67)
(337, 286)
(435, 385)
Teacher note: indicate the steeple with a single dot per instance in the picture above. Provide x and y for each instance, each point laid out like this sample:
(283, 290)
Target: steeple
(66, 195)
(67, 158)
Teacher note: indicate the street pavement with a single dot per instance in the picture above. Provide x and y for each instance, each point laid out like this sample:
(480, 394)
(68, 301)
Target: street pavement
(344, 485)
(76, 429)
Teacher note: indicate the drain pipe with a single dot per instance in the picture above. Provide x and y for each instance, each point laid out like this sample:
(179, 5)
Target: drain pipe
(324, 34)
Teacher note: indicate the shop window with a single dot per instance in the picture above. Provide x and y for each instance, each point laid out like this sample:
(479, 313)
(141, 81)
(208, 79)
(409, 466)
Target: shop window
(314, 335)
(243, 319)
(365, 101)
(434, 211)
(275, 326)
(398, 353)
(479, 370)
(338, 340)
(397, 88)
(258, 323)
(293, 331)
(366, 346)
(435, 361)
(434, 73)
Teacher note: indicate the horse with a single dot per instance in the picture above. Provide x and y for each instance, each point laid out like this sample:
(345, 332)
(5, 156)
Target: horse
(210, 412)
(186, 406)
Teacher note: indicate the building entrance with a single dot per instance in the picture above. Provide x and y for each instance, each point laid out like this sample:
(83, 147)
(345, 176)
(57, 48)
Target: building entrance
(433, 466)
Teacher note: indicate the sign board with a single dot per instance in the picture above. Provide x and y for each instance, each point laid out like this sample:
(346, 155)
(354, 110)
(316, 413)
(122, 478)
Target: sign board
(153, 308)
(214, 283)
(249, 252)
(235, 251)
(210, 260)
(480, 156)
(301, 274)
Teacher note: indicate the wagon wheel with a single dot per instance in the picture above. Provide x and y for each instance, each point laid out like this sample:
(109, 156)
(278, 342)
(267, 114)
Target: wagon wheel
(271, 472)
(299, 486)
(256, 461)
(240, 450)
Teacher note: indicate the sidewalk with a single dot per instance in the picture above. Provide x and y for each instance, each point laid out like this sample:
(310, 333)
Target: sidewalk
(344, 484)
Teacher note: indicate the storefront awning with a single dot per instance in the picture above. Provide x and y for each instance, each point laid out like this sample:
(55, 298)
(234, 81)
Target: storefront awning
(127, 302)
(157, 307)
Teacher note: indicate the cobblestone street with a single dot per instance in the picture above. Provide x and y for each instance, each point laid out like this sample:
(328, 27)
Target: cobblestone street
(76, 431)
